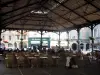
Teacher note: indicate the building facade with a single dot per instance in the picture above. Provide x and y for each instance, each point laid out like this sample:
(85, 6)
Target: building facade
(12, 39)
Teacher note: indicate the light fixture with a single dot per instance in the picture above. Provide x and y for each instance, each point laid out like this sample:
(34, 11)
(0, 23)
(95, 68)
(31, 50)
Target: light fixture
(39, 12)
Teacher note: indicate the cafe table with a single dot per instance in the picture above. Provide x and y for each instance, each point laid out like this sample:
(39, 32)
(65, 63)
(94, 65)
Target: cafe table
(42, 59)
(55, 60)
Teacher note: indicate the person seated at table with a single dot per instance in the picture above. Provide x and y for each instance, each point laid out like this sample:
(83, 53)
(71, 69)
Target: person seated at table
(56, 50)
(68, 61)
(97, 55)
(38, 51)
(73, 63)
(52, 52)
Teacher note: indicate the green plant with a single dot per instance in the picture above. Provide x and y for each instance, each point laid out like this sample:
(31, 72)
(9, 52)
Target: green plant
(91, 38)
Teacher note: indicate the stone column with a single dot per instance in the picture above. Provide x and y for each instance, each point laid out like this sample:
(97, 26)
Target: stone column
(78, 40)
(68, 38)
(41, 41)
(59, 40)
(92, 39)
(0, 39)
(21, 39)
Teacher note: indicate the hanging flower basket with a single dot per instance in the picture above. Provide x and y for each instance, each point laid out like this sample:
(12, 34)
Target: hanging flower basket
(21, 39)
(25, 33)
(91, 38)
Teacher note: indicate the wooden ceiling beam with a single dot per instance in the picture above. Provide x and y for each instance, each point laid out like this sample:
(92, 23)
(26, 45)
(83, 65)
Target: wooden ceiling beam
(16, 15)
(3, 14)
(32, 25)
(72, 11)
(29, 29)
(57, 23)
(92, 5)
(8, 2)
(10, 22)
(59, 15)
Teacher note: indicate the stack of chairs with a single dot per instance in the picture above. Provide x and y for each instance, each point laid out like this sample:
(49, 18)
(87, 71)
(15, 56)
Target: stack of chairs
(35, 62)
(22, 60)
(10, 60)
(43, 62)
(50, 60)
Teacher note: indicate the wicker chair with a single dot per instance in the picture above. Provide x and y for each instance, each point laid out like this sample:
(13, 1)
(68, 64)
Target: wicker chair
(21, 61)
(10, 60)
(35, 62)
(50, 61)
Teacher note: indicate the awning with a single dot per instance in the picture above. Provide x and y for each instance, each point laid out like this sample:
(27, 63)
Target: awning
(5, 41)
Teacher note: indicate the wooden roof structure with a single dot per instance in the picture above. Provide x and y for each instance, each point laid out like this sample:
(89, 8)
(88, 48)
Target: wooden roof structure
(50, 15)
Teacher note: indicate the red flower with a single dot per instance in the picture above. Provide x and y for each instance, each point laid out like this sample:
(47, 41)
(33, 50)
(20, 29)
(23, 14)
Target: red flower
(5, 41)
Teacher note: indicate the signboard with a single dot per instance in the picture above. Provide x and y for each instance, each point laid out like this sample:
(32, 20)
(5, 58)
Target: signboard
(37, 40)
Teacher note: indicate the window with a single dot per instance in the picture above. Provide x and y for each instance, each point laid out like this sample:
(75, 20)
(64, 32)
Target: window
(24, 36)
(15, 44)
(10, 45)
(73, 37)
(82, 46)
(9, 37)
(3, 38)
(95, 32)
(17, 37)
(87, 46)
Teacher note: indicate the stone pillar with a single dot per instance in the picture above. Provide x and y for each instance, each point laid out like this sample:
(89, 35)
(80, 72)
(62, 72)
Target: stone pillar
(21, 43)
(59, 40)
(68, 38)
(92, 40)
(0, 24)
(41, 42)
(78, 40)
(0, 39)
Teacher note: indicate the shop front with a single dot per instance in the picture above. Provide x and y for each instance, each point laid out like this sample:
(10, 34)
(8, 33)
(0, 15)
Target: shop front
(35, 42)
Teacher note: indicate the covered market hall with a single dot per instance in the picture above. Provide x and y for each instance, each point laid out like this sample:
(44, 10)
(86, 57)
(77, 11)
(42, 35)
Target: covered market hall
(49, 37)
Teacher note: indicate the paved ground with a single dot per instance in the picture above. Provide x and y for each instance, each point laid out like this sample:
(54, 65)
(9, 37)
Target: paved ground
(89, 69)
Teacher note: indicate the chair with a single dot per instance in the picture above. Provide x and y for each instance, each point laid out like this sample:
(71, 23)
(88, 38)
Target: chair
(50, 61)
(10, 60)
(21, 61)
(35, 62)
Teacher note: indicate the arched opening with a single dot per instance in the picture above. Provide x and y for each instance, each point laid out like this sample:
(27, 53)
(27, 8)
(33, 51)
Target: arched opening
(10, 45)
(15, 45)
(85, 33)
(74, 46)
(81, 46)
(24, 45)
(73, 34)
(87, 46)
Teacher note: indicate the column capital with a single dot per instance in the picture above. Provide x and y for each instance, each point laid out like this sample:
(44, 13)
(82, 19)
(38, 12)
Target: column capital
(41, 32)
(92, 26)
(78, 29)
(67, 32)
